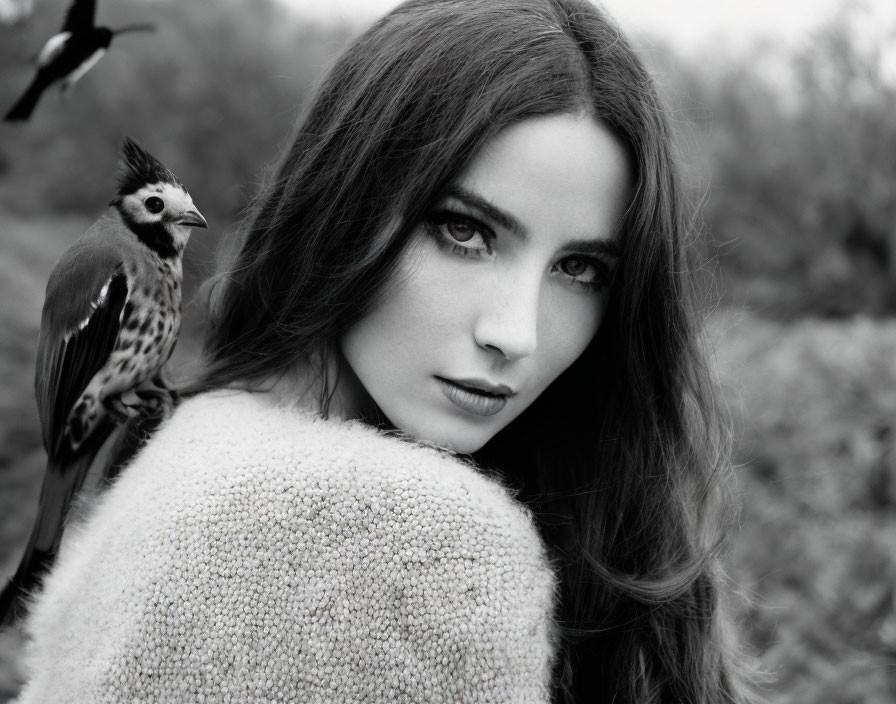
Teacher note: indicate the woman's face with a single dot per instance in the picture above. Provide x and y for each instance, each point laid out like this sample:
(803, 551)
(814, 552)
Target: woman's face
(500, 290)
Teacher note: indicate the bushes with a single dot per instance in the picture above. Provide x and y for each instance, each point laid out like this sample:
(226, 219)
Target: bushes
(793, 153)
(815, 405)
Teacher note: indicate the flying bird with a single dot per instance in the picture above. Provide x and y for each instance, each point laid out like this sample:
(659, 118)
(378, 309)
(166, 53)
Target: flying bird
(109, 323)
(68, 55)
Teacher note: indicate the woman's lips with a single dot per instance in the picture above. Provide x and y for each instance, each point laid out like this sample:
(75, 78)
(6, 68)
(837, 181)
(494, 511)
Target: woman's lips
(473, 400)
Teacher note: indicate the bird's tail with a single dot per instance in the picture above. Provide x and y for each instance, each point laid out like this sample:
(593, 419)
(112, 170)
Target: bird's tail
(62, 481)
(144, 27)
(25, 105)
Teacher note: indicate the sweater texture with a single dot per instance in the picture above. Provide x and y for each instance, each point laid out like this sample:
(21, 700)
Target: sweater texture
(257, 553)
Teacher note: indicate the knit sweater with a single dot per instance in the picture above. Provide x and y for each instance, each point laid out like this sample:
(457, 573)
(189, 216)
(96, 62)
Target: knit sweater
(256, 553)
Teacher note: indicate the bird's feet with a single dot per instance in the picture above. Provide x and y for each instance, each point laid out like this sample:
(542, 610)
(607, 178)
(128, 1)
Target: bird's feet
(153, 402)
(151, 398)
(122, 408)
(156, 398)
(133, 404)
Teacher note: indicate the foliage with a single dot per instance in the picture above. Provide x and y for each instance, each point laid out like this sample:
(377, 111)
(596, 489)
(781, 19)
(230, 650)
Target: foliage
(815, 405)
(793, 155)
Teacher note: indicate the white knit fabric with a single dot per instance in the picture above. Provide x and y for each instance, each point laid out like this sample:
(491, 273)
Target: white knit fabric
(254, 553)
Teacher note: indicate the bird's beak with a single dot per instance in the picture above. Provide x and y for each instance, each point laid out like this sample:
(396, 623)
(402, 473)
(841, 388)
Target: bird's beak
(194, 218)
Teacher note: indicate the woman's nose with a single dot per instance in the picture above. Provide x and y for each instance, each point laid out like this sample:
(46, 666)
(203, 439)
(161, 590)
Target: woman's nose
(508, 317)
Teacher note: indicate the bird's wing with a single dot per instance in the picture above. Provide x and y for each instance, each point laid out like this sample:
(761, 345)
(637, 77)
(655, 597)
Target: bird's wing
(78, 334)
(80, 16)
(52, 49)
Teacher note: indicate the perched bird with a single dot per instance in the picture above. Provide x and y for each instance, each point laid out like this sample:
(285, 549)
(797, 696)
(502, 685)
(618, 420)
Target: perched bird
(109, 323)
(69, 55)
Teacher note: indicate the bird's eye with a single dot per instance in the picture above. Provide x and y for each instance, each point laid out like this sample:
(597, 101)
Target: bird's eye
(154, 204)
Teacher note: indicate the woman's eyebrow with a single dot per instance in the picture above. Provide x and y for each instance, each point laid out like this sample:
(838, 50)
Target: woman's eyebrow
(598, 248)
(605, 249)
(493, 212)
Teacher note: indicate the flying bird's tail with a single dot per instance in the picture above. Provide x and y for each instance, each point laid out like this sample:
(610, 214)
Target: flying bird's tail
(25, 105)
(144, 27)
(62, 481)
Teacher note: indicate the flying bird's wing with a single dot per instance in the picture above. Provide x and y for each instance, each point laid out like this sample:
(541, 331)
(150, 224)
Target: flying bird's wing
(75, 343)
(52, 49)
(80, 16)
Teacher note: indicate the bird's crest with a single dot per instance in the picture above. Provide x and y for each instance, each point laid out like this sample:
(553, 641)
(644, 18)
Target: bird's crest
(139, 168)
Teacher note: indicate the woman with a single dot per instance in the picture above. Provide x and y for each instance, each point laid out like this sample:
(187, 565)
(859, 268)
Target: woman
(474, 241)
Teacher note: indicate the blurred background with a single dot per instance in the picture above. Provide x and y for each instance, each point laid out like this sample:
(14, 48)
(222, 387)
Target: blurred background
(786, 123)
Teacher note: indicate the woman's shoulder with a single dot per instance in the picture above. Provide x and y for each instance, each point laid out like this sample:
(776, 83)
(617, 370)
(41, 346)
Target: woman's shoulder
(347, 561)
(222, 440)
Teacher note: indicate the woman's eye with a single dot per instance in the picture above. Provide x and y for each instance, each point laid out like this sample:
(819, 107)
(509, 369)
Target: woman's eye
(574, 267)
(460, 231)
(154, 204)
(584, 271)
(460, 235)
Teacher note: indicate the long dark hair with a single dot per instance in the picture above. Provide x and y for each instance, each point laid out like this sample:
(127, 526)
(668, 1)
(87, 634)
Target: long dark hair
(621, 457)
